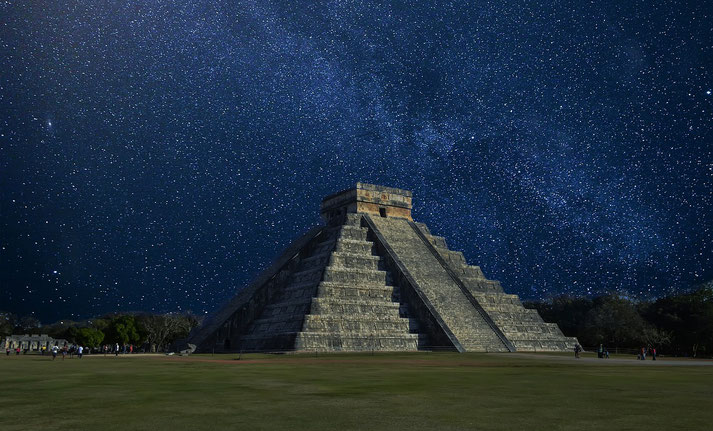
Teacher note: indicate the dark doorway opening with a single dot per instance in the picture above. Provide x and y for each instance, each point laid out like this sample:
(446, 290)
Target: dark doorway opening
(382, 212)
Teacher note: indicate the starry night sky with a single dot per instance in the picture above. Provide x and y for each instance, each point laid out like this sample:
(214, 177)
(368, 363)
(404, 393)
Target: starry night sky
(155, 155)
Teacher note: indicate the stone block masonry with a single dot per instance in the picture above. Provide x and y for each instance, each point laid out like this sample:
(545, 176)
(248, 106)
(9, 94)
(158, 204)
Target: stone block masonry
(371, 279)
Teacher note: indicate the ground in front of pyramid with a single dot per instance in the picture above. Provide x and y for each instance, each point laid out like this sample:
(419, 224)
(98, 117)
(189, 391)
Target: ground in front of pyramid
(372, 279)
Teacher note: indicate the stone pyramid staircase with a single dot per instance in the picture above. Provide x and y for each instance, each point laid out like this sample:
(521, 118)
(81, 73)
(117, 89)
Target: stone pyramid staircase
(457, 312)
(371, 279)
(522, 326)
(339, 298)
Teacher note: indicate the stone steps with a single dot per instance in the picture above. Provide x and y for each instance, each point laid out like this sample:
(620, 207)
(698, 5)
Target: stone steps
(536, 336)
(339, 299)
(331, 323)
(438, 242)
(535, 345)
(543, 328)
(519, 318)
(354, 246)
(352, 220)
(497, 298)
(353, 260)
(364, 342)
(346, 291)
(503, 308)
(463, 320)
(325, 246)
(330, 342)
(305, 276)
(331, 306)
(523, 328)
(287, 308)
(481, 285)
(468, 271)
(317, 260)
(279, 341)
(354, 276)
(366, 324)
(276, 325)
(298, 292)
(353, 233)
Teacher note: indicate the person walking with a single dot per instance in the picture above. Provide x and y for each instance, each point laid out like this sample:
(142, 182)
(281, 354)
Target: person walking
(116, 350)
(577, 349)
(653, 353)
(64, 352)
(7, 351)
(55, 349)
(80, 351)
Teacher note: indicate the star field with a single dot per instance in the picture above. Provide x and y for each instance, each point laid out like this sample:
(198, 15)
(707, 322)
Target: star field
(156, 155)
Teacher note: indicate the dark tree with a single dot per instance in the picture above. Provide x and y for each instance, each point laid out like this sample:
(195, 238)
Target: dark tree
(7, 323)
(688, 318)
(124, 330)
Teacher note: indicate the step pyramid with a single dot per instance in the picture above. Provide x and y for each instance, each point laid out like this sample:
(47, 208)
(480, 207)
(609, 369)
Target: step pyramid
(371, 279)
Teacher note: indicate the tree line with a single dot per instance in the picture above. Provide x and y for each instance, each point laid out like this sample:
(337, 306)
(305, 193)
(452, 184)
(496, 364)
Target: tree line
(154, 331)
(680, 324)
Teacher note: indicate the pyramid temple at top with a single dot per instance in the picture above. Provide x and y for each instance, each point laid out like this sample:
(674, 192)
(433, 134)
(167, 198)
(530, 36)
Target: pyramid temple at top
(370, 279)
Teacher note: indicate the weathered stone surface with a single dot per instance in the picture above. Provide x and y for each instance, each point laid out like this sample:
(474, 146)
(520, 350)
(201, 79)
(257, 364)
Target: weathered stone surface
(523, 327)
(455, 309)
(372, 279)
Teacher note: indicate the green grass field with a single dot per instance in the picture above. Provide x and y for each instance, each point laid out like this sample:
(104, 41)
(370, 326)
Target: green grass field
(441, 391)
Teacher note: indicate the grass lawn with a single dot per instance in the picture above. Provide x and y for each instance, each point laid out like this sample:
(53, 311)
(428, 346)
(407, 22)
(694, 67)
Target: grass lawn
(443, 391)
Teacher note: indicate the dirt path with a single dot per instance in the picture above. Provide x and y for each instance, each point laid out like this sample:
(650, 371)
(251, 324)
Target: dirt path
(486, 360)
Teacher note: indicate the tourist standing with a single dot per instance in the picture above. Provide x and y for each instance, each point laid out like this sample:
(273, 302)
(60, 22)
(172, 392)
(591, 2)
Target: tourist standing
(7, 351)
(17, 351)
(64, 351)
(55, 349)
(577, 349)
(116, 350)
(80, 351)
(653, 353)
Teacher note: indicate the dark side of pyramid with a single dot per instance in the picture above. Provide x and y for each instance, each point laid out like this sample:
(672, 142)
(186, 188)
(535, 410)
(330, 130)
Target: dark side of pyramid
(373, 279)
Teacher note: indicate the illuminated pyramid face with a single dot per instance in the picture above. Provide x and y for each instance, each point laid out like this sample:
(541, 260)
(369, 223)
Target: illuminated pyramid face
(372, 279)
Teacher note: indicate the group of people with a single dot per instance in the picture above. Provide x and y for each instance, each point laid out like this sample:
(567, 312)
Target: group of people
(603, 352)
(116, 349)
(17, 351)
(55, 350)
(73, 349)
(69, 350)
(647, 351)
